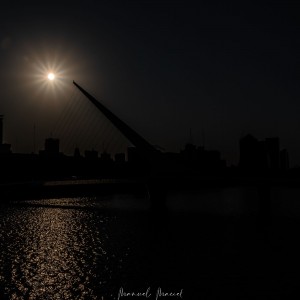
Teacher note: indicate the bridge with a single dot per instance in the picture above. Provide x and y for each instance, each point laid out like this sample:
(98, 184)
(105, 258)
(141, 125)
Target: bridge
(144, 147)
(162, 174)
(157, 184)
(150, 155)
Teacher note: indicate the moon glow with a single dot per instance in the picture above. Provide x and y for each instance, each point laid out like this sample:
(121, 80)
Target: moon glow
(51, 76)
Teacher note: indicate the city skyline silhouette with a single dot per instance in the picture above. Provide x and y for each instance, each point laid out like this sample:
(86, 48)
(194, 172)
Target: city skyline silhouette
(256, 158)
(223, 70)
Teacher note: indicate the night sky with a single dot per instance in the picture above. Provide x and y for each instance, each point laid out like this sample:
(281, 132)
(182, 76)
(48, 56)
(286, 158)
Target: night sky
(223, 69)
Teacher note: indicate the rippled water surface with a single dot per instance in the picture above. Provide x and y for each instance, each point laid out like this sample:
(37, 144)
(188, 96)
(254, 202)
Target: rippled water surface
(62, 248)
(87, 248)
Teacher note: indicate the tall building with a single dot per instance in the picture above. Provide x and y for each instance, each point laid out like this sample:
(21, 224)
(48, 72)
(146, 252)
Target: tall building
(262, 155)
(198, 158)
(190, 153)
(52, 146)
(272, 149)
(77, 153)
(1, 129)
(105, 157)
(4, 148)
(252, 153)
(91, 154)
(120, 157)
(133, 155)
(284, 160)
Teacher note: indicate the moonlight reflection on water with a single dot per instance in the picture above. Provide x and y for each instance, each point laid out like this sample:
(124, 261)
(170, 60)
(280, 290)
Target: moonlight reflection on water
(211, 242)
(55, 253)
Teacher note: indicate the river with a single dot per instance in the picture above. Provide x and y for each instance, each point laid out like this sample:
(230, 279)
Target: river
(205, 244)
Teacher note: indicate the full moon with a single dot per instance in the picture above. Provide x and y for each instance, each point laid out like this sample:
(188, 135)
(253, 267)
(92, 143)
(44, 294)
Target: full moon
(51, 76)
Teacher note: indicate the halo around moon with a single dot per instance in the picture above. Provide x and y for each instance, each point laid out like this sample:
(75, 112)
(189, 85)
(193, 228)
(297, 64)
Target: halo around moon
(51, 76)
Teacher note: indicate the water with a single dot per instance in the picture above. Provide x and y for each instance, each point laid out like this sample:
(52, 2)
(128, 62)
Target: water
(61, 248)
(207, 243)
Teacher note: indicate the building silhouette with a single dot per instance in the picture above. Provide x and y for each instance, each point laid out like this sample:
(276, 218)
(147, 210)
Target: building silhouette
(198, 158)
(4, 148)
(91, 154)
(262, 155)
(77, 153)
(120, 158)
(272, 152)
(105, 157)
(1, 129)
(51, 148)
(284, 160)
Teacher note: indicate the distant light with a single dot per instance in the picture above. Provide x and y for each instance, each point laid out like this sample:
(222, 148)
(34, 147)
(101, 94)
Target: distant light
(51, 76)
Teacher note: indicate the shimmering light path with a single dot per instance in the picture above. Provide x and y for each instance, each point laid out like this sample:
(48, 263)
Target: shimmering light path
(209, 243)
(55, 253)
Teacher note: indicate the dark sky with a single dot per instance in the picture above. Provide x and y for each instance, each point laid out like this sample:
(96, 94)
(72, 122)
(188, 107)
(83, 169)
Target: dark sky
(223, 69)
